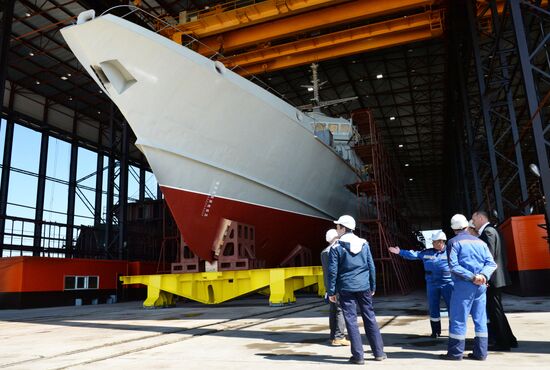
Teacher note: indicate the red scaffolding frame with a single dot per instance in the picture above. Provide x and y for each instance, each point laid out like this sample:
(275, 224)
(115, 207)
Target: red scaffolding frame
(379, 211)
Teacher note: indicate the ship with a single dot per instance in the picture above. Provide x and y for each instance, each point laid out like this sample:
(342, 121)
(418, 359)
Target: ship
(221, 147)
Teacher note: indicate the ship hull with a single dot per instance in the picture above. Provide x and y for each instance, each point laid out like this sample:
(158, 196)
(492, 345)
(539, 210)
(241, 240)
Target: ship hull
(207, 133)
(277, 231)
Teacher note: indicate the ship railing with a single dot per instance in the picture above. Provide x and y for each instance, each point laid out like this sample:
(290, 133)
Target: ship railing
(161, 25)
(209, 10)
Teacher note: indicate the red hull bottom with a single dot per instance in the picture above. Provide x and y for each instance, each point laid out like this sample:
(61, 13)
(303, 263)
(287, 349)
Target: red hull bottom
(277, 231)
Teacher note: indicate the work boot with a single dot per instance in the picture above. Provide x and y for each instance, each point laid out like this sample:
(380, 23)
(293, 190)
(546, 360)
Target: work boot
(356, 361)
(449, 357)
(340, 342)
(472, 357)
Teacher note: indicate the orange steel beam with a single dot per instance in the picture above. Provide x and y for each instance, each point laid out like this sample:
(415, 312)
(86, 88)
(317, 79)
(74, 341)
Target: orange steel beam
(324, 17)
(227, 17)
(429, 21)
(500, 6)
(360, 45)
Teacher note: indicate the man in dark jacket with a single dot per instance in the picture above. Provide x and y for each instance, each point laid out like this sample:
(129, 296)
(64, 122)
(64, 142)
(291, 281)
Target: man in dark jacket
(336, 315)
(352, 275)
(500, 333)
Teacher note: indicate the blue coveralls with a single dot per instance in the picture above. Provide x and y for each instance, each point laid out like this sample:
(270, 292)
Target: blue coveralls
(438, 281)
(468, 256)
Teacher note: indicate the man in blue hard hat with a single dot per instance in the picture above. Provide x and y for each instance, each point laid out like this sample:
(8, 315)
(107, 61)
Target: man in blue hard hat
(471, 266)
(353, 276)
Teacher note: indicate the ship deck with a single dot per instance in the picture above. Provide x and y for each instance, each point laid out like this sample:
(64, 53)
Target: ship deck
(245, 333)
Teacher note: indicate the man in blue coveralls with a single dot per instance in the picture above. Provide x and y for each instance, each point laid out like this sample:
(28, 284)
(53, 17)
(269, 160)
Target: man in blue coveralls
(471, 266)
(438, 276)
(351, 273)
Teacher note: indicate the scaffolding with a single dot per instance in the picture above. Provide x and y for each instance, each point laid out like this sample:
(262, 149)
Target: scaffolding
(380, 214)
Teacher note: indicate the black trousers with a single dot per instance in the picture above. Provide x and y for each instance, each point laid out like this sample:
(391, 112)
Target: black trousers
(500, 333)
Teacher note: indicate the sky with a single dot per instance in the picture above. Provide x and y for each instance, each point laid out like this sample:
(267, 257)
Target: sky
(22, 187)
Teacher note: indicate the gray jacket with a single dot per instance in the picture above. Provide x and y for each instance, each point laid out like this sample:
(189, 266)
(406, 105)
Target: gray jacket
(324, 262)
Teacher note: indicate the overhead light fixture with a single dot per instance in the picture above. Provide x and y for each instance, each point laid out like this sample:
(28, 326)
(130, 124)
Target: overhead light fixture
(31, 54)
(69, 75)
(410, 50)
(400, 145)
(70, 98)
(101, 91)
(412, 70)
(406, 165)
(310, 89)
(27, 14)
(98, 112)
(63, 78)
(379, 76)
(534, 169)
(411, 179)
(38, 82)
(392, 118)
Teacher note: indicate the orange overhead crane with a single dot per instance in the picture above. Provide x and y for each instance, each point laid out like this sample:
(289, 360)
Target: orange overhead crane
(227, 29)
(338, 44)
(289, 23)
(234, 26)
(226, 17)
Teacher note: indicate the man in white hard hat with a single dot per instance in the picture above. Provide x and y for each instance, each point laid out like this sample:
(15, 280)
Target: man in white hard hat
(353, 276)
(438, 276)
(471, 266)
(336, 316)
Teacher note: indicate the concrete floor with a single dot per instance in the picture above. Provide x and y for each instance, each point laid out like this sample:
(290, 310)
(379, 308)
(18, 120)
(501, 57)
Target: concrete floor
(246, 333)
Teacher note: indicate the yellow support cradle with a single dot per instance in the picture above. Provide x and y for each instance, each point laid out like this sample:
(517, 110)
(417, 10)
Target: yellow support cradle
(221, 286)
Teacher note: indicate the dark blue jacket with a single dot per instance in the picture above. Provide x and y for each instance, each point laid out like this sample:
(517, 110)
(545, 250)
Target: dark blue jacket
(351, 267)
(435, 264)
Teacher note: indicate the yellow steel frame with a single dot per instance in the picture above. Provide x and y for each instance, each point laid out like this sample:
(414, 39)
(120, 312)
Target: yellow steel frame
(360, 39)
(218, 287)
(324, 17)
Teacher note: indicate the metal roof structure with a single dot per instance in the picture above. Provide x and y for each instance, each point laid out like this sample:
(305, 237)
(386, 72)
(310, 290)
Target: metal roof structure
(406, 85)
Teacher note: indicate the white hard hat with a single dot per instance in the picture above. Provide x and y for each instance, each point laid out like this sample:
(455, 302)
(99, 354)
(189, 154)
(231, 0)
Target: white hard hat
(331, 234)
(439, 235)
(459, 222)
(346, 221)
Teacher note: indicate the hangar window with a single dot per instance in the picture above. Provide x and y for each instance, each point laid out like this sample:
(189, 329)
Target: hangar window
(81, 282)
